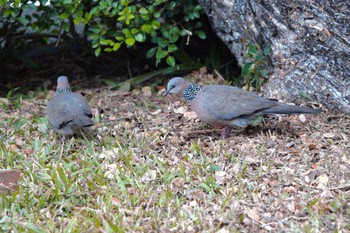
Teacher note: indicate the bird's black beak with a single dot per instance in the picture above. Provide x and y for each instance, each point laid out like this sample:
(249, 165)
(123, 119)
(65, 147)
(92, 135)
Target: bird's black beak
(167, 92)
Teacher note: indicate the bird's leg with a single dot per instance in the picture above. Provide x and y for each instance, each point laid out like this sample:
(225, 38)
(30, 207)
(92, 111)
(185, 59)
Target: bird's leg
(226, 130)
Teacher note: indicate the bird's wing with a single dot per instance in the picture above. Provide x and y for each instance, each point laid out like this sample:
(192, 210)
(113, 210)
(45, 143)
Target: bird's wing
(228, 102)
(84, 105)
(83, 117)
(60, 111)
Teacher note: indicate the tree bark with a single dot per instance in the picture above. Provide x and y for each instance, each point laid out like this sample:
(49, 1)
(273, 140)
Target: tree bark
(309, 41)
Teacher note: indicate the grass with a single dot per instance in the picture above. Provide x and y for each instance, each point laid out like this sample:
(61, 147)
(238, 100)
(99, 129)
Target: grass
(146, 171)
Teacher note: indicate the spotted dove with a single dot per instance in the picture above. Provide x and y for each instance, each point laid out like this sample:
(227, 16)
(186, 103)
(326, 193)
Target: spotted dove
(229, 106)
(68, 112)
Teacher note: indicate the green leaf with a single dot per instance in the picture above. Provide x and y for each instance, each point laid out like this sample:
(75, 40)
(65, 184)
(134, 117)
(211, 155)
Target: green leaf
(247, 68)
(155, 24)
(130, 41)
(150, 53)
(263, 73)
(214, 168)
(201, 34)
(64, 15)
(4, 102)
(195, 14)
(140, 37)
(116, 46)
(121, 18)
(66, 26)
(110, 83)
(156, 14)
(198, 8)
(67, 2)
(62, 175)
(146, 28)
(205, 186)
(124, 86)
(259, 57)
(172, 48)
(161, 53)
(134, 31)
(313, 202)
(173, 38)
(171, 5)
(22, 20)
(119, 38)
(95, 29)
(266, 51)
(126, 32)
(252, 49)
(107, 42)
(174, 30)
(98, 51)
(256, 121)
(94, 10)
(143, 11)
(171, 61)
(145, 18)
(162, 42)
(95, 44)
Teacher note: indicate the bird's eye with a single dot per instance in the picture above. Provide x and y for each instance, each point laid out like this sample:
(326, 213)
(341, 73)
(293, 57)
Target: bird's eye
(173, 86)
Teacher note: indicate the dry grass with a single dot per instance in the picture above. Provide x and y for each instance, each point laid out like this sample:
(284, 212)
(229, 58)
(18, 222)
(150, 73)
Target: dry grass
(153, 167)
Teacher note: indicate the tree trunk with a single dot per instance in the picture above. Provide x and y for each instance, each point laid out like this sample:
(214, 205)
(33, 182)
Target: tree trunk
(309, 41)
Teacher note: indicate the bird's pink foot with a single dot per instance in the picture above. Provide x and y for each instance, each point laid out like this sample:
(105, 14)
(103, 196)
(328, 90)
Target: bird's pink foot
(226, 130)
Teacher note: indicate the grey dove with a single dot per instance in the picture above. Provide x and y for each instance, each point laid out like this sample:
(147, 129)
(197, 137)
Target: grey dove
(229, 106)
(68, 112)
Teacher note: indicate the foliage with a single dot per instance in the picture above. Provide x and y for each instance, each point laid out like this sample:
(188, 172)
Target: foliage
(253, 70)
(108, 25)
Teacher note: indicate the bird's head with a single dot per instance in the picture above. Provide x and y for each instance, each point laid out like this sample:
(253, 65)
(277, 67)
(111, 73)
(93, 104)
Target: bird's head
(62, 84)
(176, 85)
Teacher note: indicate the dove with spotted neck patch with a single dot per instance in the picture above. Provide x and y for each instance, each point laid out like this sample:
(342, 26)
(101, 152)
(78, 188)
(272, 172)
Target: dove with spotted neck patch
(229, 106)
(68, 112)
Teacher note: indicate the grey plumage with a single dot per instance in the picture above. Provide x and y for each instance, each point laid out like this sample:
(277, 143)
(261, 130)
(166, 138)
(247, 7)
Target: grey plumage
(229, 106)
(68, 112)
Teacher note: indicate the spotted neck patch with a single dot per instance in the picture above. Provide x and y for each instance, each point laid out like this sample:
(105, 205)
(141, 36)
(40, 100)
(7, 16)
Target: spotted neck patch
(61, 90)
(191, 91)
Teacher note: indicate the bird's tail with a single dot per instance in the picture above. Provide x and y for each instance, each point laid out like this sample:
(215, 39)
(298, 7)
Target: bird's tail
(290, 109)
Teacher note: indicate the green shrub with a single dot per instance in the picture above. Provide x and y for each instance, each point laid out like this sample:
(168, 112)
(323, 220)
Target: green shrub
(109, 25)
(253, 70)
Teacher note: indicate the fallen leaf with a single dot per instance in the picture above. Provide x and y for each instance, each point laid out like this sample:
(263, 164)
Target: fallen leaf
(323, 179)
(29, 151)
(290, 189)
(253, 213)
(19, 143)
(312, 146)
(273, 183)
(146, 91)
(4, 101)
(220, 177)
(302, 118)
(190, 115)
(115, 201)
(178, 182)
(8, 180)
(203, 71)
(223, 230)
(149, 176)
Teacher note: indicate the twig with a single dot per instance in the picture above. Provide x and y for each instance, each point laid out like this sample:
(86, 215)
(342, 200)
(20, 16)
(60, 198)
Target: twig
(343, 188)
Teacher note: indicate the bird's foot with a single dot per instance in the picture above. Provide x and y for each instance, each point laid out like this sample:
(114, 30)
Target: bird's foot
(226, 130)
